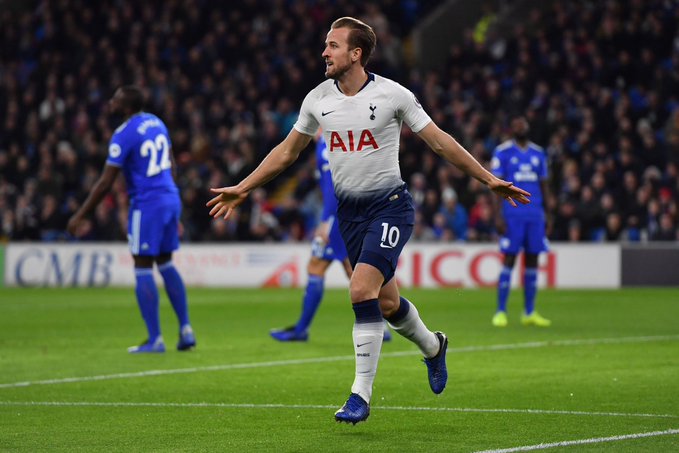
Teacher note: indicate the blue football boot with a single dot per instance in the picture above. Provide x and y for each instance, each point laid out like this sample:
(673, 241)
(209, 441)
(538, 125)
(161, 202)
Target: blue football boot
(147, 347)
(436, 366)
(187, 340)
(387, 334)
(289, 334)
(354, 410)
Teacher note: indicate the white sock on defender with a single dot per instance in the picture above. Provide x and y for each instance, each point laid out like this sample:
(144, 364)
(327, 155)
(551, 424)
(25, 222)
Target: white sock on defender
(407, 322)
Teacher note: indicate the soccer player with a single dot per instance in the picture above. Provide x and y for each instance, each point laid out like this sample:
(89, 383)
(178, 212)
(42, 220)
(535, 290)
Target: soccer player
(326, 247)
(361, 114)
(141, 147)
(525, 163)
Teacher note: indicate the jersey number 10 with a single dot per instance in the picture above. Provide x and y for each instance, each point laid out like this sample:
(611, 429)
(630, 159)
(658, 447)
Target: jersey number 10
(153, 148)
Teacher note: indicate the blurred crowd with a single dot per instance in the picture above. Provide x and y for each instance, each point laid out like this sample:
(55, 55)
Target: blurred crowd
(598, 82)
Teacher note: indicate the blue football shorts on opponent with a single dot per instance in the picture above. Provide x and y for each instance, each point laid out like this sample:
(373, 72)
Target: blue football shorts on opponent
(334, 249)
(379, 240)
(524, 233)
(153, 227)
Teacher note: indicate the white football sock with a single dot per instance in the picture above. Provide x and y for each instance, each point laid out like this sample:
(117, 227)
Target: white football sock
(412, 328)
(367, 346)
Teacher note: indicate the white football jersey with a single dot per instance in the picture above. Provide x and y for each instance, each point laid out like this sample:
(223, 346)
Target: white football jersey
(362, 133)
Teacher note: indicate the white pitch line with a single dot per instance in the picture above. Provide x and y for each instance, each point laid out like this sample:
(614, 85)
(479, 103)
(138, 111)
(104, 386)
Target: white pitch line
(315, 360)
(596, 440)
(320, 406)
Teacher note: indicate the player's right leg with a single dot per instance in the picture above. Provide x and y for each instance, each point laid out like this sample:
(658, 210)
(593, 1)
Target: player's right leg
(143, 232)
(147, 299)
(510, 244)
(535, 243)
(367, 334)
(373, 247)
(347, 269)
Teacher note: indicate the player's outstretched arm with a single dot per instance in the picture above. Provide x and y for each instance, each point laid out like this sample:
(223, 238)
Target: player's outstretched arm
(280, 158)
(100, 188)
(447, 147)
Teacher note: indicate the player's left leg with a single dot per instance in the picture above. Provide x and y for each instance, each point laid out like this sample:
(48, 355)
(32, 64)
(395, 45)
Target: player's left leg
(176, 292)
(535, 243)
(530, 283)
(169, 212)
(404, 318)
(530, 316)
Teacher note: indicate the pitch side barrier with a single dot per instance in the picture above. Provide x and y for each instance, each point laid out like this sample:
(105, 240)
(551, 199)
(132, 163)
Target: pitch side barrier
(282, 265)
(422, 265)
(655, 264)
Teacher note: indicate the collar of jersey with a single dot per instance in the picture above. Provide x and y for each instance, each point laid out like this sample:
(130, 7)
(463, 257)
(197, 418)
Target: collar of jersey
(523, 150)
(371, 78)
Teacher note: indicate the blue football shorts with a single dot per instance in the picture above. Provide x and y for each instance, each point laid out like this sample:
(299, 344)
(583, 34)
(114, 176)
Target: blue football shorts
(334, 249)
(524, 233)
(379, 240)
(153, 226)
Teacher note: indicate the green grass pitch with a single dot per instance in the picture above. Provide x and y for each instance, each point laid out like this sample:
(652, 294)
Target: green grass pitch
(604, 377)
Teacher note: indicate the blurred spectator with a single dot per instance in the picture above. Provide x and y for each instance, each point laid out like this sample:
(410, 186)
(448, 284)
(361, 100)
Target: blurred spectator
(456, 219)
(52, 222)
(481, 220)
(666, 230)
(422, 232)
(598, 82)
(263, 224)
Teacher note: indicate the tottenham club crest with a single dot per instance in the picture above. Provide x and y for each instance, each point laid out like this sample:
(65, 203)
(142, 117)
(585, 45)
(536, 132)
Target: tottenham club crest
(372, 109)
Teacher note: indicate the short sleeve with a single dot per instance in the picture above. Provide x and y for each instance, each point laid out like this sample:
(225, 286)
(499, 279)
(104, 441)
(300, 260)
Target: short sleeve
(544, 172)
(117, 150)
(496, 166)
(306, 122)
(410, 110)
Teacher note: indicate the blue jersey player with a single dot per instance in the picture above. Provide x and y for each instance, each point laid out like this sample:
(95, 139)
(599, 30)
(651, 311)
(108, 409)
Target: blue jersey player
(141, 148)
(326, 247)
(525, 164)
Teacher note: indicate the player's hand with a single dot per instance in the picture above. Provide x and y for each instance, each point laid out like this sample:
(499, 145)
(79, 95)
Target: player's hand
(74, 225)
(510, 192)
(227, 199)
(323, 231)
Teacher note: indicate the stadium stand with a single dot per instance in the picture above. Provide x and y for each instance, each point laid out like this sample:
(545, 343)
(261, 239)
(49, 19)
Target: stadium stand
(599, 82)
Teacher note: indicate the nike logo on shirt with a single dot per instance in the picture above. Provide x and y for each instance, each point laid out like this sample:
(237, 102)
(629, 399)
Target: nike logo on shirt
(326, 113)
